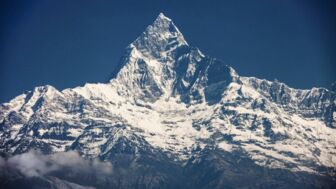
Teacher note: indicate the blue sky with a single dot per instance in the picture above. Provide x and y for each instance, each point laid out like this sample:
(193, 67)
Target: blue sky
(68, 43)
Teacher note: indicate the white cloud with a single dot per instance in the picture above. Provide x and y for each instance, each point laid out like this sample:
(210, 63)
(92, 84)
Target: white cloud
(36, 164)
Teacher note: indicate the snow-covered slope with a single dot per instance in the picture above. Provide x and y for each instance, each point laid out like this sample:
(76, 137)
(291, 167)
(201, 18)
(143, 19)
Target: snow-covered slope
(167, 97)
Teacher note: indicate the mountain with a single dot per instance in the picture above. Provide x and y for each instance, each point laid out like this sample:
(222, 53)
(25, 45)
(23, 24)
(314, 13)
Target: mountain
(172, 117)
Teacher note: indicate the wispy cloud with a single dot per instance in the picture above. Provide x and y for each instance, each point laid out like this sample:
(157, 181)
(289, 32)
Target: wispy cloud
(36, 164)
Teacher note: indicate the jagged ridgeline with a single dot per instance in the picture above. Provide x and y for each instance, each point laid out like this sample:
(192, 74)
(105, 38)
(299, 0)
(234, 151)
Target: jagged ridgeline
(170, 117)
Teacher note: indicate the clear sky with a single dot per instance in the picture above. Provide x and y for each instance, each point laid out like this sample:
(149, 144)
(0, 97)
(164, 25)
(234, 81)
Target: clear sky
(68, 43)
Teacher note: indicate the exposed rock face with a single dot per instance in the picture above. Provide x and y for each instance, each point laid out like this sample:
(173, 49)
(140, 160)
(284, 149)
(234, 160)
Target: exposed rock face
(172, 117)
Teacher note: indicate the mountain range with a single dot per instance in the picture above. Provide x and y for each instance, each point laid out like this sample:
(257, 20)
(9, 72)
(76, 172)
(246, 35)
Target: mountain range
(172, 117)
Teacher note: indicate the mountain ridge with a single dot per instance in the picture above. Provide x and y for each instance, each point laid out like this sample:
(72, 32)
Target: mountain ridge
(170, 104)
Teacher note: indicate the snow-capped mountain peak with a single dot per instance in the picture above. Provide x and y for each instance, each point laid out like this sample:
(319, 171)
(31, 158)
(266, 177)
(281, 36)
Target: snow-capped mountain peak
(161, 63)
(159, 38)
